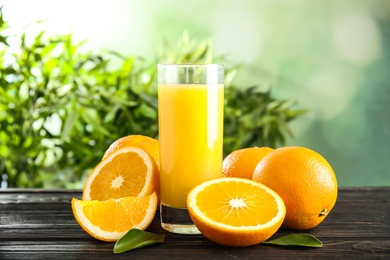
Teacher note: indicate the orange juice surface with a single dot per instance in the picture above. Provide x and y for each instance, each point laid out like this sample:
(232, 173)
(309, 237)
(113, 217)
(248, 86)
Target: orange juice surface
(190, 133)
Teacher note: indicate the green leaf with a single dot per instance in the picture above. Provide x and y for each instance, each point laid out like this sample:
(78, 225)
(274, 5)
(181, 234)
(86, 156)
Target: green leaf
(147, 111)
(3, 40)
(304, 240)
(127, 67)
(136, 238)
(68, 126)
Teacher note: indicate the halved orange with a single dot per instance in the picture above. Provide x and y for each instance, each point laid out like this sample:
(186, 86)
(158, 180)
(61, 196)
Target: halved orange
(129, 171)
(109, 220)
(235, 211)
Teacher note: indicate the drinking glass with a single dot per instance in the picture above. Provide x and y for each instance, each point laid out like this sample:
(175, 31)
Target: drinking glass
(190, 112)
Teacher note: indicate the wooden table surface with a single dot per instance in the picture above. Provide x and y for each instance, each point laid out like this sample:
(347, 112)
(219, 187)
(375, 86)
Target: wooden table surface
(39, 224)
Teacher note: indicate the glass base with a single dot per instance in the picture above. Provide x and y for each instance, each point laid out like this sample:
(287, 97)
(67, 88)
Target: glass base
(177, 220)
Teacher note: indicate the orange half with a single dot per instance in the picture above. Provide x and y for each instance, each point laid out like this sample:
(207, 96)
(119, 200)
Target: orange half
(235, 211)
(129, 171)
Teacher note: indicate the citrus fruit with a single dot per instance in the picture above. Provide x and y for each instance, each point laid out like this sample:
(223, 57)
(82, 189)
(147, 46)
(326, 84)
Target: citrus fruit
(109, 220)
(241, 163)
(305, 181)
(150, 145)
(129, 171)
(235, 211)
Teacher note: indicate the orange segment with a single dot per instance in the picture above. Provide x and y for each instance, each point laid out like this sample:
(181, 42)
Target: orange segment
(235, 211)
(109, 220)
(150, 145)
(129, 171)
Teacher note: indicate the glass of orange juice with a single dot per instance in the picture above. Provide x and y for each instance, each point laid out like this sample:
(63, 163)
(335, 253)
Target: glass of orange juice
(190, 112)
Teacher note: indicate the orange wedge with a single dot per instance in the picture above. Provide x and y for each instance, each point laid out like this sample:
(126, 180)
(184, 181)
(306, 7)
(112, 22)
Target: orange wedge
(129, 171)
(235, 211)
(109, 220)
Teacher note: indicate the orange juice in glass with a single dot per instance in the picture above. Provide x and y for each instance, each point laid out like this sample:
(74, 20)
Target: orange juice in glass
(190, 108)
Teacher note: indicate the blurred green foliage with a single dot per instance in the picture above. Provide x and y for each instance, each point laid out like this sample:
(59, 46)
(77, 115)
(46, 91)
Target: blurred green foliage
(60, 108)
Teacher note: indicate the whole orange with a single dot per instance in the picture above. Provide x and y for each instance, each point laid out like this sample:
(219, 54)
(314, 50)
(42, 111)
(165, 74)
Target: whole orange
(305, 181)
(150, 145)
(241, 163)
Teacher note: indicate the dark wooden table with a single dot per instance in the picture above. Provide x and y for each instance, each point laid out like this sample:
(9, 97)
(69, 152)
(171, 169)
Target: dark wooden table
(39, 224)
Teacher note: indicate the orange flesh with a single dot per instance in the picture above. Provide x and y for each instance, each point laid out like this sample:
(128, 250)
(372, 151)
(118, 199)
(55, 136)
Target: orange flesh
(131, 174)
(98, 214)
(223, 205)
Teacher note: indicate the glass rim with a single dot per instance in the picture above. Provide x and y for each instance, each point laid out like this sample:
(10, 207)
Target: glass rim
(191, 73)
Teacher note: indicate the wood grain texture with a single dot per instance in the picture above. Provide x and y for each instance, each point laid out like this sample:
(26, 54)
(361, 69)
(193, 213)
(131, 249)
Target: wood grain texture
(39, 224)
